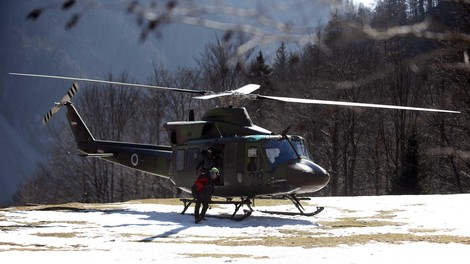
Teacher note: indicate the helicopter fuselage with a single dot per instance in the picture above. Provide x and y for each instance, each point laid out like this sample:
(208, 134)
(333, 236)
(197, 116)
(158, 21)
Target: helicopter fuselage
(250, 166)
(252, 161)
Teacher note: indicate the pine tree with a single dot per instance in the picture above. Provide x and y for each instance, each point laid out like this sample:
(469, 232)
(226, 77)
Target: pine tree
(261, 71)
(411, 178)
(281, 62)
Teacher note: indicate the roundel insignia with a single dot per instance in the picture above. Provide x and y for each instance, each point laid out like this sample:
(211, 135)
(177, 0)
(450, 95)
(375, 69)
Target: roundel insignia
(134, 159)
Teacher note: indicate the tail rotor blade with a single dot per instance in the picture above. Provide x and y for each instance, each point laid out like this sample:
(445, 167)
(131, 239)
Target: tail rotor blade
(70, 93)
(67, 97)
(49, 114)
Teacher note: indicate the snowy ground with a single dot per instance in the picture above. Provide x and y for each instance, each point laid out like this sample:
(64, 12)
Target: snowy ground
(385, 229)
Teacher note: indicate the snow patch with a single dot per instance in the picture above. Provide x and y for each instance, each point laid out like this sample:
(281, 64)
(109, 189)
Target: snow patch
(383, 229)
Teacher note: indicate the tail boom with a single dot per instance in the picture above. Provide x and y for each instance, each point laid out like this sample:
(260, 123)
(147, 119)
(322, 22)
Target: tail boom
(152, 159)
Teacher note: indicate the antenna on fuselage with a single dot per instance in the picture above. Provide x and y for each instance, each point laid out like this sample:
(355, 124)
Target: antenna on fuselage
(284, 136)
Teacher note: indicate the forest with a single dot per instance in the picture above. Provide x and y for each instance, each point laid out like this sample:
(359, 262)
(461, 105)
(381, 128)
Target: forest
(403, 52)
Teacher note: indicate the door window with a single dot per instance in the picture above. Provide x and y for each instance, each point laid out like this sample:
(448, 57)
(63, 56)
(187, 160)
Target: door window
(180, 159)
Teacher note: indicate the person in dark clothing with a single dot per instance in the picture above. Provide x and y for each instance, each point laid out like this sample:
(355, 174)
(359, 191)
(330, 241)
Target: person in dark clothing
(202, 191)
(209, 159)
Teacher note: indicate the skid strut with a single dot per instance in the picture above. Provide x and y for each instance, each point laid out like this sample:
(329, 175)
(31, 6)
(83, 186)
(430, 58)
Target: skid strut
(296, 201)
(233, 216)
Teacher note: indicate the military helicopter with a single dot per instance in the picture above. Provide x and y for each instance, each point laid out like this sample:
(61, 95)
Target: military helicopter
(253, 161)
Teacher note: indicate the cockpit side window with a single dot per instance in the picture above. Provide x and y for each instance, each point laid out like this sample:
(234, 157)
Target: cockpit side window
(280, 151)
(272, 154)
(302, 148)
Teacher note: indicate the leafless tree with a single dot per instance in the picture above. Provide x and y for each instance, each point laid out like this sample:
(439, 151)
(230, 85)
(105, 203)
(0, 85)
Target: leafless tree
(406, 52)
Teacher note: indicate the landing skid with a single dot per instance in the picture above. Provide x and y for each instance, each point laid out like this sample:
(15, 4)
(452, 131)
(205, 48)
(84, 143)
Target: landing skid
(247, 212)
(234, 216)
(296, 201)
(237, 218)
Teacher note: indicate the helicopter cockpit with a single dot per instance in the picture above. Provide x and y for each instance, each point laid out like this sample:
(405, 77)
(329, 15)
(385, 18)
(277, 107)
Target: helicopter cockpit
(280, 151)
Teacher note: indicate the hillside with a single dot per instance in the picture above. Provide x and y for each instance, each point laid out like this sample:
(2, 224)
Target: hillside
(381, 229)
(106, 40)
(103, 42)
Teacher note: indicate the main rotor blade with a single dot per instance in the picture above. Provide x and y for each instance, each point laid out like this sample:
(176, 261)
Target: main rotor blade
(326, 102)
(245, 90)
(210, 96)
(111, 82)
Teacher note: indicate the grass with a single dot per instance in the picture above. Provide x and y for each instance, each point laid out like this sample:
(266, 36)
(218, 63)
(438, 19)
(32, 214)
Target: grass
(387, 214)
(63, 207)
(307, 240)
(166, 201)
(215, 255)
(423, 230)
(346, 222)
(39, 247)
(110, 206)
(57, 235)
(176, 201)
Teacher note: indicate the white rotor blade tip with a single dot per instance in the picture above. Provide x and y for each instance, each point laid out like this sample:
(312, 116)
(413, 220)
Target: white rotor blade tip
(247, 89)
(210, 96)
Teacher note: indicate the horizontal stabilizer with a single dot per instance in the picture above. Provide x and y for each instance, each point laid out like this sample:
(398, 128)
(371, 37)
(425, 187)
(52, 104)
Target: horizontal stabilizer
(96, 155)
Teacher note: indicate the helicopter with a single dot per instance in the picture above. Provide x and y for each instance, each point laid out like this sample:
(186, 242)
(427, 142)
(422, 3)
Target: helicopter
(253, 161)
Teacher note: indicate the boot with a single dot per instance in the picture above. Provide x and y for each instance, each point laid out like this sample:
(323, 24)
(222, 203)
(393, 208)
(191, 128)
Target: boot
(197, 218)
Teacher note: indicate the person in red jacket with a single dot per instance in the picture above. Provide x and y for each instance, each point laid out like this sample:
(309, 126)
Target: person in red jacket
(202, 191)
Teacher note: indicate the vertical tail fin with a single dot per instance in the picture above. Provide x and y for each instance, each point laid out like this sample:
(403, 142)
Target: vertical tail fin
(80, 131)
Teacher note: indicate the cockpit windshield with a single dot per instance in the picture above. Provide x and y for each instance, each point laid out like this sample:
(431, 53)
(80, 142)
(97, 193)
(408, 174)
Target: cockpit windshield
(279, 151)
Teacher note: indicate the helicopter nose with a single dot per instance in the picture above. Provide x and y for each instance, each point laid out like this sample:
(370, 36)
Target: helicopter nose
(303, 175)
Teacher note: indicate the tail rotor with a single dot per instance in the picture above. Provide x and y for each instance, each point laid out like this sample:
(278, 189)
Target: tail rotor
(67, 97)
